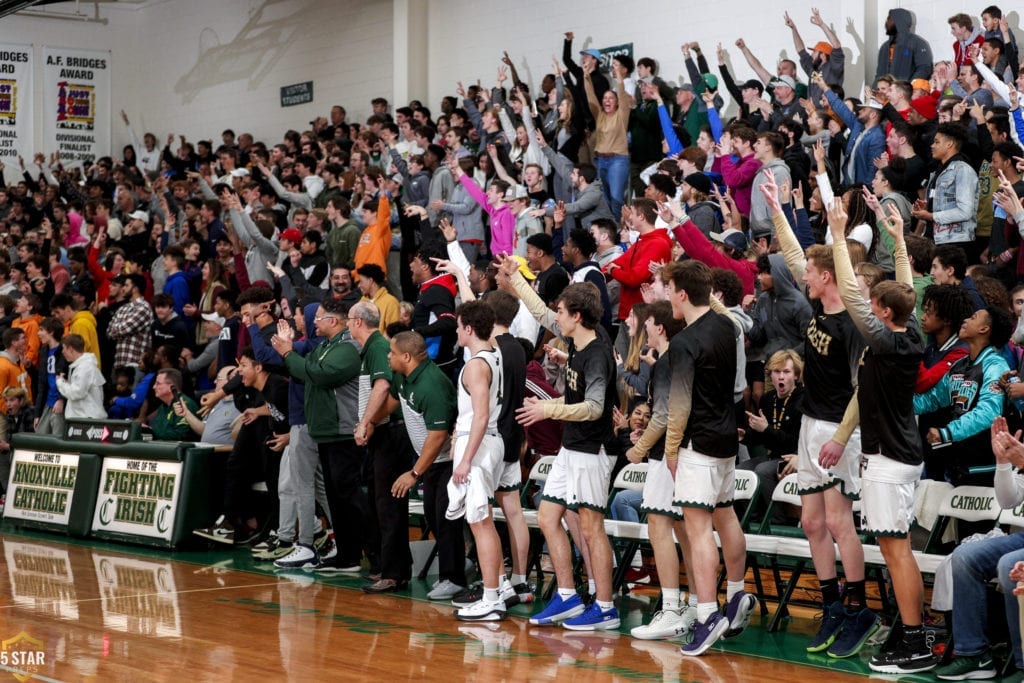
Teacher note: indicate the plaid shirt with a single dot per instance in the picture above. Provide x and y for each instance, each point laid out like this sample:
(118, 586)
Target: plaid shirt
(130, 327)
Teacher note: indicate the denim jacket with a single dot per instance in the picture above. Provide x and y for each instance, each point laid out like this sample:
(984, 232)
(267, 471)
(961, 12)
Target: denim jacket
(952, 194)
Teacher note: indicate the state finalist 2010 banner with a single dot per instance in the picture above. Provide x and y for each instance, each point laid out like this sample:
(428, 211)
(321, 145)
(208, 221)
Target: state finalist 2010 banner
(76, 103)
(15, 101)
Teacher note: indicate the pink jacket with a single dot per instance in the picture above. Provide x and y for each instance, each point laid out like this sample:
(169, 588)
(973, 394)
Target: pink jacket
(740, 179)
(503, 223)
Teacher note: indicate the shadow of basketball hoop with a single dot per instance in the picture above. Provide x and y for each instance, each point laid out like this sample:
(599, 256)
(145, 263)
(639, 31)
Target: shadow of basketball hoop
(253, 53)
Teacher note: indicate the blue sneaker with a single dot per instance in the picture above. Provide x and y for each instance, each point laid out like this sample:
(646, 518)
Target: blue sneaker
(594, 619)
(706, 634)
(738, 612)
(858, 627)
(831, 622)
(558, 610)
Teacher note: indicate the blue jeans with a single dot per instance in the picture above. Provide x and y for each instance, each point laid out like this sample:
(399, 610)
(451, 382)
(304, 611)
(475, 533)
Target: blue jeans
(614, 174)
(626, 505)
(974, 565)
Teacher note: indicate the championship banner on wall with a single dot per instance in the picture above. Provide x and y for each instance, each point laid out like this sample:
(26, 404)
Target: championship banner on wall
(76, 103)
(15, 101)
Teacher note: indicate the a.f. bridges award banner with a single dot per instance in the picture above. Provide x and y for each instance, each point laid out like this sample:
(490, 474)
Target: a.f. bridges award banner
(15, 101)
(76, 103)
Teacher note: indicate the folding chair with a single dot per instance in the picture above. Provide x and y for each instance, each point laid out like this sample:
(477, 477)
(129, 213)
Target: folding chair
(630, 478)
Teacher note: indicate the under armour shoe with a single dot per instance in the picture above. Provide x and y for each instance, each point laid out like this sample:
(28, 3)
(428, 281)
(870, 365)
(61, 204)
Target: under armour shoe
(857, 629)
(508, 594)
(831, 624)
(668, 623)
(706, 634)
(909, 655)
(978, 667)
(524, 592)
(594, 619)
(738, 611)
(300, 557)
(468, 596)
(482, 610)
(558, 610)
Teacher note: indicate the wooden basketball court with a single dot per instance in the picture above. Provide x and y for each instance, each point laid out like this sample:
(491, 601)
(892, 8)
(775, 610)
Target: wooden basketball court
(105, 612)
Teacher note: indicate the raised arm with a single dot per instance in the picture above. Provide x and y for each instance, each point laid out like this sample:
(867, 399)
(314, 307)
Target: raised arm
(830, 35)
(588, 86)
(798, 42)
(754, 62)
(788, 243)
(869, 326)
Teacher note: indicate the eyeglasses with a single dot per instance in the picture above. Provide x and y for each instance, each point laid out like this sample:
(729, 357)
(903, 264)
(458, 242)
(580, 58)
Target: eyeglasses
(324, 317)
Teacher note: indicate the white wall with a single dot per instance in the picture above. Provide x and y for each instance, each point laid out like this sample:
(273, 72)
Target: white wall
(196, 67)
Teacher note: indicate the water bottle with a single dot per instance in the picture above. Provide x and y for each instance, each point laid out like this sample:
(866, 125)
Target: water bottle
(1018, 403)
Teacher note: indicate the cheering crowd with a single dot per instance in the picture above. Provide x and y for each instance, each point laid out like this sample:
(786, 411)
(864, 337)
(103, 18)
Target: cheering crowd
(600, 267)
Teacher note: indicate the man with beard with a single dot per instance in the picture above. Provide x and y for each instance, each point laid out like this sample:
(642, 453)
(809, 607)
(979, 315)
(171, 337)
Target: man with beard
(341, 286)
(826, 58)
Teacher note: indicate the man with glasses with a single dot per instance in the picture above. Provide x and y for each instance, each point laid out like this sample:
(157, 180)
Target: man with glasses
(389, 448)
(216, 428)
(330, 371)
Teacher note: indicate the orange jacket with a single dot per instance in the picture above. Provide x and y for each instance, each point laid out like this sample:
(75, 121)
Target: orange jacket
(31, 327)
(375, 242)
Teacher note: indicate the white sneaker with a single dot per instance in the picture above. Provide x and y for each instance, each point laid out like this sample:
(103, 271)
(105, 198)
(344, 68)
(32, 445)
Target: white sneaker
(507, 594)
(667, 623)
(444, 590)
(482, 610)
(301, 557)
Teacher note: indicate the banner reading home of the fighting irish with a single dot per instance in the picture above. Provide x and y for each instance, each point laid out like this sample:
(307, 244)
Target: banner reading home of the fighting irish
(15, 101)
(76, 103)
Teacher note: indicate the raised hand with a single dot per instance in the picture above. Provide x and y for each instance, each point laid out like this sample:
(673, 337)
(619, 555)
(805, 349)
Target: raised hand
(559, 213)
(789, 22)
(502, 75)
(741, 44)
(771, 192)
(798, 197)
(819, 153)
(872, 201)
(837, 218)
(816, 17)
(448, 230)
(893, 223)
(460, 90)
(721, 54)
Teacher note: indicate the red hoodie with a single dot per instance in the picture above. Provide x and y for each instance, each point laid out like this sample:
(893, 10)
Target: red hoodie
(633, 267)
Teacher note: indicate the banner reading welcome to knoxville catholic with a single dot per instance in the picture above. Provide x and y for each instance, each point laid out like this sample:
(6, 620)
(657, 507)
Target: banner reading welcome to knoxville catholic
(15, 101)
(76, 103)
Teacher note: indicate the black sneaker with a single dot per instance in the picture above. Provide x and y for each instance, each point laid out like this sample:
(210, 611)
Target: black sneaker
(831, 623)
(468, 596)
(909, 655)
(222, 531)
(859, 626)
